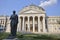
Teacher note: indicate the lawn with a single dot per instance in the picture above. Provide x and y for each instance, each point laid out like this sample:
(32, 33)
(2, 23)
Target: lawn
(3, 35)
(32, 36)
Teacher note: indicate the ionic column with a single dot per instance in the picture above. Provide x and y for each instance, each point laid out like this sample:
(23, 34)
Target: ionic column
(33, 25)
(38, 24)
(19, 25)
(23, 24)
(44, 29)
(28, 25)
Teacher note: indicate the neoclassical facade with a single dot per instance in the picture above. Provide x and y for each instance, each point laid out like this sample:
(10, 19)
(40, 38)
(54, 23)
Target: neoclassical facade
(33, 19)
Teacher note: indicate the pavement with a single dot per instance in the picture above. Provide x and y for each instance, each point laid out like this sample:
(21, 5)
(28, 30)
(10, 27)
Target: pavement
(11, 39)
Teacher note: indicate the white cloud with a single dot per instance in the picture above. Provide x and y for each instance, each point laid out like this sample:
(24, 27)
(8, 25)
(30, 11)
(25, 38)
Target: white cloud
(47, 3)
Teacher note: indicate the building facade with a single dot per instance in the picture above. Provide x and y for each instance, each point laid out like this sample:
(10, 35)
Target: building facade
(3, 22)
(33, 19)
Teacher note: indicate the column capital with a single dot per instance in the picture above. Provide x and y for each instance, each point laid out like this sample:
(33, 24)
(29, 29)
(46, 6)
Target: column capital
(28, 16)
(43, 16)
(23, 16)
(38, 16)
(33, 16)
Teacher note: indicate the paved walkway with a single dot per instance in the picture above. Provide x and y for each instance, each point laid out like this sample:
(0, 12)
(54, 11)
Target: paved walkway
(11, 39)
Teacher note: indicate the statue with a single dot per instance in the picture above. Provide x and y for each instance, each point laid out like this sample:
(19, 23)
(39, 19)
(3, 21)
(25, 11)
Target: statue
(13, 24)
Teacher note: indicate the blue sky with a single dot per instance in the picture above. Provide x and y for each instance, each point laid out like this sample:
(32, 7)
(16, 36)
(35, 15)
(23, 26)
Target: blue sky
(7, 6)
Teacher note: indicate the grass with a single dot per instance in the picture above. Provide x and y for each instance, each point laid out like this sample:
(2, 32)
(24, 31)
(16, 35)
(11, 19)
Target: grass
(39, 37)
(32, 36)
(3, 35)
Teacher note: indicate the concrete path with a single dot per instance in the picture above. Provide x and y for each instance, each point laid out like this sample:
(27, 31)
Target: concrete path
(11, 39)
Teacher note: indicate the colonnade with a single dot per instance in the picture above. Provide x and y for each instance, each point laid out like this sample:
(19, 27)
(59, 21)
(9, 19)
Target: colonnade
(32, 23)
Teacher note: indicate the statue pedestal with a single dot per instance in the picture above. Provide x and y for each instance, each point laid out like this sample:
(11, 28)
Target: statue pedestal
(11, 39)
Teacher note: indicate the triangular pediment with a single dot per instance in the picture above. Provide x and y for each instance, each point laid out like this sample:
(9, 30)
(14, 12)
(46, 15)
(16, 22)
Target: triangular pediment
(31, 11)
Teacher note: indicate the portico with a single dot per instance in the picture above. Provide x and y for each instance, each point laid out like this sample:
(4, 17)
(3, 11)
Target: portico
(32, 19)
(32, 23)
